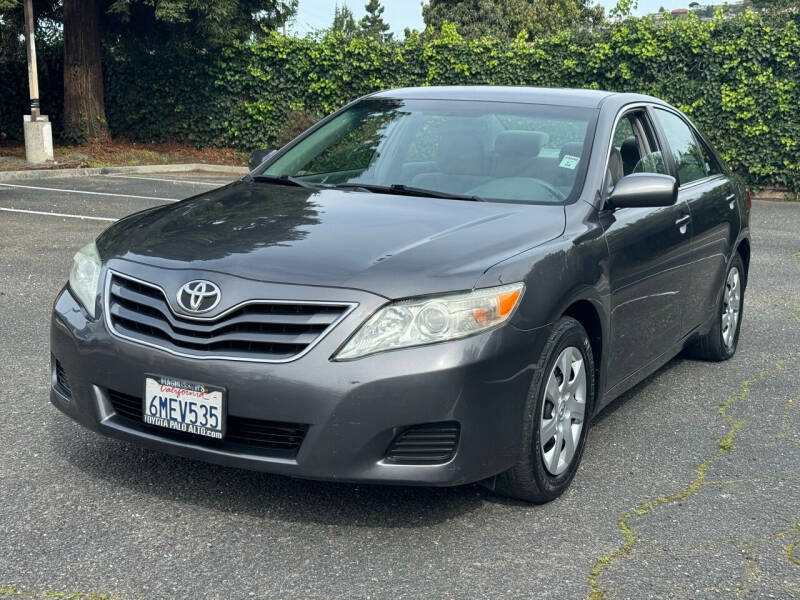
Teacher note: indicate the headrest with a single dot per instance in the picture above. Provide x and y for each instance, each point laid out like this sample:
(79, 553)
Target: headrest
(571, 148)
(460, 153)
(520, 143)
(615, 166)
(629, 151)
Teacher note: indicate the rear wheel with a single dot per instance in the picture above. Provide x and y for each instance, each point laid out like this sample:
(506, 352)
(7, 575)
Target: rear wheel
(556, 418)
(722, 339)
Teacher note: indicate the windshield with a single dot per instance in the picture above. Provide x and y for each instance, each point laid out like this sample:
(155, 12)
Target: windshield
(480, 150)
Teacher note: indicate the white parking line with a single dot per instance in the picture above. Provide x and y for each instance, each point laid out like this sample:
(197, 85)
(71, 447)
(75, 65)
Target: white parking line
(52, 214)
(46, 189)
(167, 180)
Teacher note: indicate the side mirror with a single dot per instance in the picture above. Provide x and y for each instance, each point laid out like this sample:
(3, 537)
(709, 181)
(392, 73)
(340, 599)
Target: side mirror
(644, 189)
(258, 157)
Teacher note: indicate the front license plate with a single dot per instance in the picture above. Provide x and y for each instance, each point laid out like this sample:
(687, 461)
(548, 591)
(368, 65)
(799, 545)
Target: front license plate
(185, 406)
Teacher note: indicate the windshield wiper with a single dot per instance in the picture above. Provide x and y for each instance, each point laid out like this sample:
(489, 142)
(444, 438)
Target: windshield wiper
(283, 180)
(405, 190)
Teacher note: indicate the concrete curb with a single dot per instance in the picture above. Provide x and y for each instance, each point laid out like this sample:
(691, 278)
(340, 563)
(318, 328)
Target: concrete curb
(143, 169)
(773, 194)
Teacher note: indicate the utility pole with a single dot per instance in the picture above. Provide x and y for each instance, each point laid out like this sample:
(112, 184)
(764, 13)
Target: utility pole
(38, 130)
(30, 46)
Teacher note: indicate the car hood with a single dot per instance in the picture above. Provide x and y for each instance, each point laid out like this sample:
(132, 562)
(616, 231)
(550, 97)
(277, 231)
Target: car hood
(395, 246)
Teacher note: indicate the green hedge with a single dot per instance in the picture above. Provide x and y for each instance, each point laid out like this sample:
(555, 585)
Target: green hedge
(737, 78)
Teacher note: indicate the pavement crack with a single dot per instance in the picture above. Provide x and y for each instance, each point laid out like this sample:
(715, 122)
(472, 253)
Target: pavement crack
(10, 591)
(790, 551)
(724, 446)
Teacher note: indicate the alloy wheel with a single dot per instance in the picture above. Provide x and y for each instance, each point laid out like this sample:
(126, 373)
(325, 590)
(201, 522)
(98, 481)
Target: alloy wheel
(731, 305)
(563, 410)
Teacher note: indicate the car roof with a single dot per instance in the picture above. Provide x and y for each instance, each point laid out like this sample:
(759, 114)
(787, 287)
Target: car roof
(527, 95)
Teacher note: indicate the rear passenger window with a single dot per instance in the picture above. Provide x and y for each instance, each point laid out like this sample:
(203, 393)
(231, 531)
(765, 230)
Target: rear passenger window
(711, 164)
(686, 151)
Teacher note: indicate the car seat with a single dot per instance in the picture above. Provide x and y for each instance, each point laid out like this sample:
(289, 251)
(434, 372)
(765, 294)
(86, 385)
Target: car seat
(629, 152)
(460, 164)
(515, 151)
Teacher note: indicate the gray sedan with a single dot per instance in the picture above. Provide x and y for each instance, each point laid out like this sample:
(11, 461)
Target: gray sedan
(431, 286)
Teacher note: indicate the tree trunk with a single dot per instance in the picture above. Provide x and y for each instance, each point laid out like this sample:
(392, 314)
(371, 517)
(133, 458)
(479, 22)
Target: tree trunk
(84, 111)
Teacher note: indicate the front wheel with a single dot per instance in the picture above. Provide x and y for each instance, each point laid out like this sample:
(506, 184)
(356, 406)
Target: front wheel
(556, 419)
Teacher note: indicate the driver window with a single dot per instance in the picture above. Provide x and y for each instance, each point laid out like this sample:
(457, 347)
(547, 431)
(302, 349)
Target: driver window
(633, 149)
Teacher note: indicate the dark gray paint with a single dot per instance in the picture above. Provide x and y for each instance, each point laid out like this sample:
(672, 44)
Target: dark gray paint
(389, 245)
(647, 190)
(633, 267)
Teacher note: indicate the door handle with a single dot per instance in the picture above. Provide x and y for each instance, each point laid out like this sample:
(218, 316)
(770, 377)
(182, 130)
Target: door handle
(683, 223)
(731, 200)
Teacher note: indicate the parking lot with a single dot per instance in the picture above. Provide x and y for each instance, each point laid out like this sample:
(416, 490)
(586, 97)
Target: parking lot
(689, 487)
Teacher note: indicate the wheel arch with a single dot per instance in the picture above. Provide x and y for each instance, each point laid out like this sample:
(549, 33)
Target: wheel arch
(586, 313)
(743, 249)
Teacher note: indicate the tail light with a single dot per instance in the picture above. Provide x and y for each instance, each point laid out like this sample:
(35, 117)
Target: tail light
(749, 199)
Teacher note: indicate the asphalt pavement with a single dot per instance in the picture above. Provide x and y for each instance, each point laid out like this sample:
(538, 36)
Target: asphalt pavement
(689, 486)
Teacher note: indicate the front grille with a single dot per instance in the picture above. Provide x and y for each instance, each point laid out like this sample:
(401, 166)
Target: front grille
(281, 439)
(268, 331)
(432, 443)
(62, 381)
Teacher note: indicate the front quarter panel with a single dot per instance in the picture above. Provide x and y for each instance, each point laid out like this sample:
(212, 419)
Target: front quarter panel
(558, 274)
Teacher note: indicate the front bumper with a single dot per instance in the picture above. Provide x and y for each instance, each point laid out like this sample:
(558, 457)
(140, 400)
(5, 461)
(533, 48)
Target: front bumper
(353, 409)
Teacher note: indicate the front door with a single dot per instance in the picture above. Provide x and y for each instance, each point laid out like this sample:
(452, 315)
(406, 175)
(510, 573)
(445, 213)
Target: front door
(649, 258)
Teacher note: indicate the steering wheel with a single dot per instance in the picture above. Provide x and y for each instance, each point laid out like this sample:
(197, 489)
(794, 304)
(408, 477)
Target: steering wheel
(508, 188)
(560, 196)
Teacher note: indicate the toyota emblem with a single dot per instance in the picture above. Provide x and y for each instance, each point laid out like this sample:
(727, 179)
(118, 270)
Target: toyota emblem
(199, 296)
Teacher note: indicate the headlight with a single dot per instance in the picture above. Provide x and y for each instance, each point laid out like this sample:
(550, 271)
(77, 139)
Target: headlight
(433, 319)
(84, 278)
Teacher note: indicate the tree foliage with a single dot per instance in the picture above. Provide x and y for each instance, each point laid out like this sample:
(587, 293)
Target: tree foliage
(343, 22)
(12, 25)
(206, 24)
(775, 4)
(372, 24)
(505, 19)
(90, 24)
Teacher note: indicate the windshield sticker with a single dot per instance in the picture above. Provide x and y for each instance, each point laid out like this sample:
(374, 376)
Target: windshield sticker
(569, 162)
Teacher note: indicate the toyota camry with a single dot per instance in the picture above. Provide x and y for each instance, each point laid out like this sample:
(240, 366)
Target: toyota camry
(431, 286)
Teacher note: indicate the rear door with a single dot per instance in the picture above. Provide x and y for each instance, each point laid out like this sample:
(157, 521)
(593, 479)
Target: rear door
(649, 257)
(709, 193)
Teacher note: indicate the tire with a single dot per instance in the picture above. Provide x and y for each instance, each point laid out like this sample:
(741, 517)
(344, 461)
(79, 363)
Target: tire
(532, 478)
(720, 342)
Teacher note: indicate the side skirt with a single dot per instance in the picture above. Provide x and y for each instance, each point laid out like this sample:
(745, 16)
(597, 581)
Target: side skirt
(654, 365)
